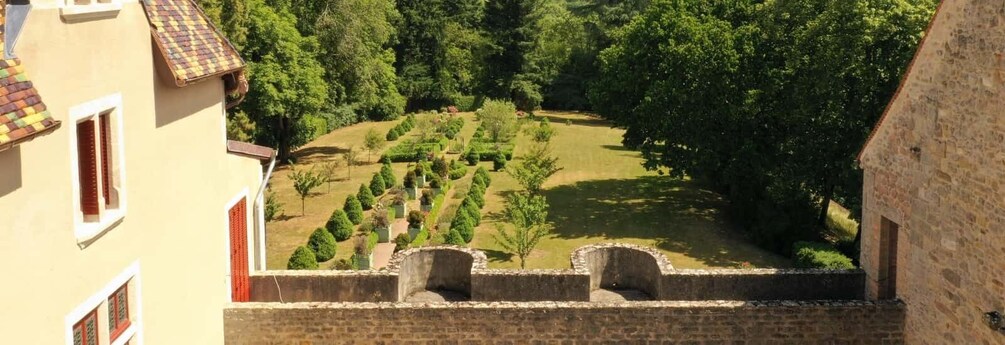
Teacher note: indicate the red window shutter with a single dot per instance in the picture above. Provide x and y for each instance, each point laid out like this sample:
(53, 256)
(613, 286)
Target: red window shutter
(239, 271)
(85, 332)
(106, 157)
(87, 163)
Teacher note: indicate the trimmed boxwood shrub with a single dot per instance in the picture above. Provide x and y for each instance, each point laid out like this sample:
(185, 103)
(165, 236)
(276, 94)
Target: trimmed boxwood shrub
(472, 157)
(302, 259)
(435, 182)
(476, 193)
(819, 255)
(463, 225)
(479, 180)
(499, 163)
(365, 197)
(377, 185)
(409, 181)
(473, 211)
(388, 175)
(322, 243)
(453, 237)
(392, 135)
(353, 209)
(426, 199)
(485, 176)
(415, 219)
(339, 225)
(401, 242)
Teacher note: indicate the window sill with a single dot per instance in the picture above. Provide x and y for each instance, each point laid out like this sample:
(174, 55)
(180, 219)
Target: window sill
(125, 336)
(87, 232)
(90, 12)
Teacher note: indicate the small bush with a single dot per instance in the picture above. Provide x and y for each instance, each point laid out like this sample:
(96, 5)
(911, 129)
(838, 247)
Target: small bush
(322, 243)
(388, 175)
(392, 135)
(485, 176)
(365, 197)
(401, 242)
(472, 157)
(377, 185)
(479, 180)
(353, 209)
(366, 227)
(819, 255)
(464, 226)
(440, 167)
(420, 169)
(476, 193)
(415, 219)
(339, 225)
(380, 220)
(272, 206)
(302, 259)
(344, 264)
(499, 163)
(409, 181)
(474, 212)
(455, 238)
(435, 182)
(427, 198)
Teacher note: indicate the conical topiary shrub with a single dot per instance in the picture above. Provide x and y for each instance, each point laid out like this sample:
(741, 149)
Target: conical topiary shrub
(302, 259)
(339, 225)
(485, 176)
(365, 197)
(454, 238)
(388, 175)
(462, 225)
(353, 209)
(377, 185)
(322, 243)
(473, 211)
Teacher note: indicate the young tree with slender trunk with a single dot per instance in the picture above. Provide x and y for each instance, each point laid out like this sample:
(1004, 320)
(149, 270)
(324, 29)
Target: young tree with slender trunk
(373, 141)
(527, 214)
(535, 168)
(351, 156)
(303, 182)
(328, 172)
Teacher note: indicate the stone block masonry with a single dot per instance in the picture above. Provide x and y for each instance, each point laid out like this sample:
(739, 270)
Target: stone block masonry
(707, 322)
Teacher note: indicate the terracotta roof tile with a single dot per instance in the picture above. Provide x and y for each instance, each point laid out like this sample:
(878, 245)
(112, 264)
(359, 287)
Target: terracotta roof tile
(252, 150)
(191, 45)
(22, 113)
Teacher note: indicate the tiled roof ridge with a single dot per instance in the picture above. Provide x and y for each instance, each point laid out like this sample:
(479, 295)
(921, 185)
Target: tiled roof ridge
(249, 149)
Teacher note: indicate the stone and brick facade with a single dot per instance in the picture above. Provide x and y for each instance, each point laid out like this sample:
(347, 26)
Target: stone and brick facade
(934, 196)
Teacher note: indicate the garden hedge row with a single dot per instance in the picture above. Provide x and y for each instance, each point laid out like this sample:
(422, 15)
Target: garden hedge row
(819, 255)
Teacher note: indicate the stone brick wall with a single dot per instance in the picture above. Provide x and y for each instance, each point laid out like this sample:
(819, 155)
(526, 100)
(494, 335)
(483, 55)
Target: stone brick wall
(324, 286)
(554, 322)
(530, 285)
(936, 168)
(764, 284)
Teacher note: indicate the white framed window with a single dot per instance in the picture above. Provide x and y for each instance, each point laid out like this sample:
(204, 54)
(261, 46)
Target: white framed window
(97, 166)
(90, 9)
(111, 316)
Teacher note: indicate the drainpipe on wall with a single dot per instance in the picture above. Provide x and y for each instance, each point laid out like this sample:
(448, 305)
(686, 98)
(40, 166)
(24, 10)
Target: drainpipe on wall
(260, 213)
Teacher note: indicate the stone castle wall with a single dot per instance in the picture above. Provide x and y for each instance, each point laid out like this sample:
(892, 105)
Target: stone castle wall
(709, 322)
(936, 168)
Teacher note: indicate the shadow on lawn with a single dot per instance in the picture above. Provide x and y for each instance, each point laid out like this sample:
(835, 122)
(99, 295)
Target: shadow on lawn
(497, 255)
(318, 153)
(590, 122)
(678, 215)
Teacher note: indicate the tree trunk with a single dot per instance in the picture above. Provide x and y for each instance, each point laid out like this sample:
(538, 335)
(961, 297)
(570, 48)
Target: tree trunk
(303, 206)
(825, 204)
(284, 141)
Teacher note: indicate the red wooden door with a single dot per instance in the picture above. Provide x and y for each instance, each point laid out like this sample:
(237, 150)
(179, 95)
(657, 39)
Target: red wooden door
(239, 252)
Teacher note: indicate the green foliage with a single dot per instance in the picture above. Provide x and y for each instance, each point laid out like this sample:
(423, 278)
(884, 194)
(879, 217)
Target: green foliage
(339, 225)
(452, 127)
(356, 38)
(527, 214)
(440, 167)
(365, 197)
(435, 182)
(479, 180)
(767, 102)
(526, 95)
(410, 151)
(457, 170)
(481, 171)
(377, 184)
(304, 181)
(353, 209)
(819, 255)
(544, 131)
(472, 157)
(322, 243)
(499, 162)
(415, 219)
(393, 134)
(474, 212)
(535, 168)
(401, 242)
(388, 175)
(287, 81)
(373, 141)
(272, 206)
(477, 194)
(409, 181)
(302, 259)
(466, 103)
(426, 199)
(499, 120)
(463, 225)
(240, 127)
(454, 237)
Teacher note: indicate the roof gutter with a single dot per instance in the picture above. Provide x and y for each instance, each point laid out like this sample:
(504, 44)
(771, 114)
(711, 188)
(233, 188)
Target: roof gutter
(260, 211)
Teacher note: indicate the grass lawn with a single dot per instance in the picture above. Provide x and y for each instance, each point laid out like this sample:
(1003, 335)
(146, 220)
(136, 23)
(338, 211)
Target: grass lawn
(602, 195)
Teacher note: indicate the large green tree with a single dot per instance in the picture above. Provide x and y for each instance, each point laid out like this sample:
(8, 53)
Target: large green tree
(767, 103)
(286, 81)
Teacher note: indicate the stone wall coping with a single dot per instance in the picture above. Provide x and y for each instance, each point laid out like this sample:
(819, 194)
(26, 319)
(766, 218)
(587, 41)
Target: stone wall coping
(322, 273)
(579, 262)
(571, 305)
(531, 272)
(479, 260)
(764, 271)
